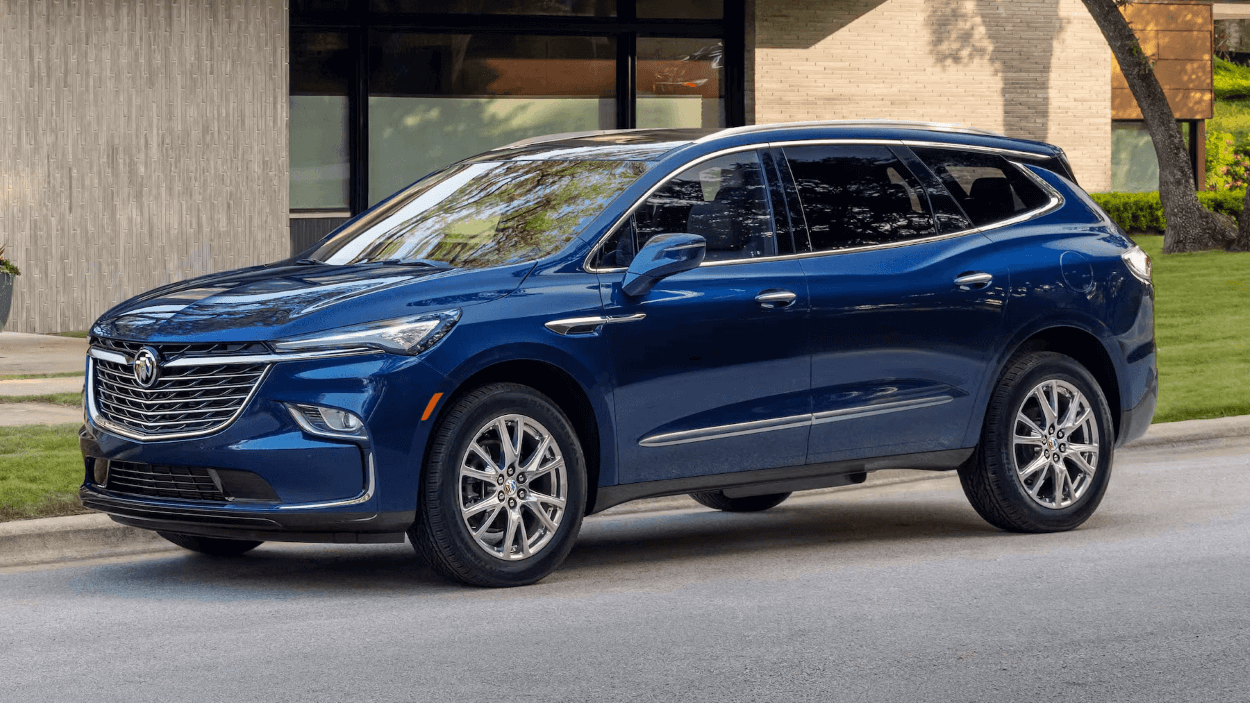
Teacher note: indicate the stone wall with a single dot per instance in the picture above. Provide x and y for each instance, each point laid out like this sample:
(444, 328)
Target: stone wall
(141, 142)
(1038, 69)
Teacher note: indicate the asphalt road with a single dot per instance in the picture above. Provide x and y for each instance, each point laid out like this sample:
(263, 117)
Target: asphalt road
(895, 593)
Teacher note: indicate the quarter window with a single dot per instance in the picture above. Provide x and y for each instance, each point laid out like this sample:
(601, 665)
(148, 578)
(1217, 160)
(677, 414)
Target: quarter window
(724, 200)
(986, 186)
(855, 196)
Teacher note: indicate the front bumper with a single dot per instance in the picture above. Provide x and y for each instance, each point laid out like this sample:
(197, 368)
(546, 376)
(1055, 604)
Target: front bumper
(312, 488)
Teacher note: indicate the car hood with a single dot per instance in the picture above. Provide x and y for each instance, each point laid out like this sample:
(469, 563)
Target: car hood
(271, 302)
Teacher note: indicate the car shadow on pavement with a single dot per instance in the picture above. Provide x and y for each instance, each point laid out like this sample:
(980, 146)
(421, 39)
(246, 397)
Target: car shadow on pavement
(608, 547)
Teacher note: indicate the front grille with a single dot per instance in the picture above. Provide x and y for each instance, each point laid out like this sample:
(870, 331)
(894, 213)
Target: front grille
(185, 400)
(161, 481)
(173, 351)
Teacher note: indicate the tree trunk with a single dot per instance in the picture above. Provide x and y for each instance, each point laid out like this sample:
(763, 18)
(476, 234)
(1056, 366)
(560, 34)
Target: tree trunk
(1243, 227)
(1190, 227)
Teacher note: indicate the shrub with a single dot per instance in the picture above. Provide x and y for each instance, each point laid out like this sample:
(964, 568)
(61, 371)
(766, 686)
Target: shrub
(1227, 161)
(1143, 212)
(7, 266)
(1231, 81)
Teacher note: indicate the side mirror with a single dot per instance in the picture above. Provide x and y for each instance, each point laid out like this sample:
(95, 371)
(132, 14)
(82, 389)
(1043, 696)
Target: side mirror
(663, 256)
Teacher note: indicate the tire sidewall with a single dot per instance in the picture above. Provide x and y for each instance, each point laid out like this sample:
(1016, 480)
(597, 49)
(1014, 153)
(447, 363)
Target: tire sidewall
(442, 484)
(1051, 366)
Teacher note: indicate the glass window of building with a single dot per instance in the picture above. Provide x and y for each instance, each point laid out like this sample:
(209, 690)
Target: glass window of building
(321, 64)
(681, 82)
(437, 98)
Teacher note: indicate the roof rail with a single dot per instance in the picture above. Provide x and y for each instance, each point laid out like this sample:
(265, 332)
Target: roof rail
(927, 126)
(559, 138)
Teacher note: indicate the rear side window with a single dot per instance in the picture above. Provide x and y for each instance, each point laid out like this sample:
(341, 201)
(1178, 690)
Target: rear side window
(725, 200)
(986, 186)
(854, 196)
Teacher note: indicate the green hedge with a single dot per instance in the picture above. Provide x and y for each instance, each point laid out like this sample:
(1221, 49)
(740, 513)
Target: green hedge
(1143, 212)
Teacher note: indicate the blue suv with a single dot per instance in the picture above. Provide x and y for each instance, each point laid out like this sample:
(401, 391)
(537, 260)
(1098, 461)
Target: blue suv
(564, 324)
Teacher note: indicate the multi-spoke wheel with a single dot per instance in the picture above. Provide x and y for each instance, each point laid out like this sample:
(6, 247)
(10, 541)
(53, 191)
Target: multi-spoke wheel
(512, 487)
(1055, 444)
(504, 488)
(1046, 448)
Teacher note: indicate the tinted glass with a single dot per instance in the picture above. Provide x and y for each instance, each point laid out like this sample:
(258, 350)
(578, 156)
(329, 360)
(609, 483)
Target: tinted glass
(687, 9)
(438, 98)
(946, 212)
(986, 186)
(484, 214)
(854, 196)
(723, 200)
(595, 8)
(680, 82)
(321, 65)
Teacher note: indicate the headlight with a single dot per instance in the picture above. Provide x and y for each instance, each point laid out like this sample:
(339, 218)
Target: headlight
(405, 335)
(1138, 262)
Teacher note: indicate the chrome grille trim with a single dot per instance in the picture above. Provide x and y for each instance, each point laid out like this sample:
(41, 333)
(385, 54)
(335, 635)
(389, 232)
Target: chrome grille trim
(186, 401)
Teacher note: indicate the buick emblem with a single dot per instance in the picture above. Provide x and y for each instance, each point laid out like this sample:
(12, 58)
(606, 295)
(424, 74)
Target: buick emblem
(146, 368)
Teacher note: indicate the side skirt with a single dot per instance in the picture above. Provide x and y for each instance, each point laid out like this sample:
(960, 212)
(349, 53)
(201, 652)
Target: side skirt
(780, 480)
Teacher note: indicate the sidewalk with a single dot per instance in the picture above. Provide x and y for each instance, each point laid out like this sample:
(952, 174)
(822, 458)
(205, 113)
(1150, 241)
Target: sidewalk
(29, 354)
(30, 542)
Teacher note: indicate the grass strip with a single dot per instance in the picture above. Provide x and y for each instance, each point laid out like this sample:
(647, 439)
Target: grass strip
(28, 376)
(73, 400)
(1202, 317)
(40, 471)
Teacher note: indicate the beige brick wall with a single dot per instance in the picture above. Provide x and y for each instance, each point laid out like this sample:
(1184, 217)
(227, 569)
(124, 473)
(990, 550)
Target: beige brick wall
(1038, 69)
(141, 142)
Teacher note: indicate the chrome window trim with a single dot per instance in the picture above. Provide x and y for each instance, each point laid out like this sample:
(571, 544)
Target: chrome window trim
(947, 127)
(1056, 201)
(95, 418)
(704, 434)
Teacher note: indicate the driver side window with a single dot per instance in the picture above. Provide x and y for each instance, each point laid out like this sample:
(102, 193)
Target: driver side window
(723, 200)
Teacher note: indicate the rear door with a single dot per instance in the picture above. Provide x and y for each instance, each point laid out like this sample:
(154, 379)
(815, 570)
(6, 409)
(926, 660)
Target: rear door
(899, 346)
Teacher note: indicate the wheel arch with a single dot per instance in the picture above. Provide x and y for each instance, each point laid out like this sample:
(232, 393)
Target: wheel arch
(563, 387)
(1081, 345)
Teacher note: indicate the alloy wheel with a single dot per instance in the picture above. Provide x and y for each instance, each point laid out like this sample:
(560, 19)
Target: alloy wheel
(1055, 444)
(513, 487)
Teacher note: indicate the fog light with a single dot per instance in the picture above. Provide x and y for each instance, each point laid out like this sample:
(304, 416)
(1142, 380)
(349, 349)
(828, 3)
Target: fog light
(328, 422)
(100, 471)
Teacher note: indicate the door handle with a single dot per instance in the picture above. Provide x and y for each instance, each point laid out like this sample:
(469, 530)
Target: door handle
(775, 298)
(974, 280)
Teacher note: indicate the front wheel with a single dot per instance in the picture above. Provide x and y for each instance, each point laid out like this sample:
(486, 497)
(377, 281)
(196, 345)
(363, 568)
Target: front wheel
(1046, 449)
(503, 491)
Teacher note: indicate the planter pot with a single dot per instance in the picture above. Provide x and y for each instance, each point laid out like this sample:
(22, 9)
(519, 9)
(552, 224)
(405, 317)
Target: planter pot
(6, 297)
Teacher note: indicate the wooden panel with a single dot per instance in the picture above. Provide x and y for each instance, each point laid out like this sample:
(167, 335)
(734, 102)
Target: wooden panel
(1145, 16)
(141, 142)
(307, 231)
(1190, 46)
(1183, 75)
(1186, 104)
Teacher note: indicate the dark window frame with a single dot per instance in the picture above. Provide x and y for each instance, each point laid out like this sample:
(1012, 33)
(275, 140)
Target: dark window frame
(626, 28)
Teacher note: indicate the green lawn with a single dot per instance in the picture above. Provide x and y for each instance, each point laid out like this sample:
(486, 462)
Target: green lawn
(1202, 330)
(70, 399)
(40, 471)
(24, 376)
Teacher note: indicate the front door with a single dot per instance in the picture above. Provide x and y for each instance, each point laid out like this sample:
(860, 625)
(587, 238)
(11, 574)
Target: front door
(712, 374)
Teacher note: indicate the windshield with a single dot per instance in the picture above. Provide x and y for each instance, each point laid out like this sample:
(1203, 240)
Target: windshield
(483, 214)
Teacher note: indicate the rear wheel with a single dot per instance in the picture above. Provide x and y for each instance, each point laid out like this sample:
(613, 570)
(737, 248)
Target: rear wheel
(717, 500)
(1046, 449)
(213, 546)
(504, 489)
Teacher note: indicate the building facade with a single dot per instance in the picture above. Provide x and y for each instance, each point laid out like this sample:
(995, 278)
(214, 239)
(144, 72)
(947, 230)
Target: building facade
(147, 141)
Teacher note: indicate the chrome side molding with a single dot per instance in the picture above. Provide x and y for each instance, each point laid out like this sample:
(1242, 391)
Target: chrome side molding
(704, 434)
(589, 325)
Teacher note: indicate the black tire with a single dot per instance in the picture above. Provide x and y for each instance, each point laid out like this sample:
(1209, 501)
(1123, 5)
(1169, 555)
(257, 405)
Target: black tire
(440, 534)
(212, 546)
(990, 478)
(717, 500)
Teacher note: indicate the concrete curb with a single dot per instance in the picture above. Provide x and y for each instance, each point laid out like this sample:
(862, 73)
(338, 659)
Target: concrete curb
(31, 542)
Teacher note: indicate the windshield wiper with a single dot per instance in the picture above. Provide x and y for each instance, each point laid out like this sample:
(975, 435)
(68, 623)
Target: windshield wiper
(308, 262)
(415, 262)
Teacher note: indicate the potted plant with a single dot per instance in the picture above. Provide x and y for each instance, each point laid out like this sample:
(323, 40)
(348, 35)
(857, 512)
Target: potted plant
(8, 272)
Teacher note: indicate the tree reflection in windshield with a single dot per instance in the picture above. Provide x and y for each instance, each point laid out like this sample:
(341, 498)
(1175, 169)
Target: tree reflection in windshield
(484, 214)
